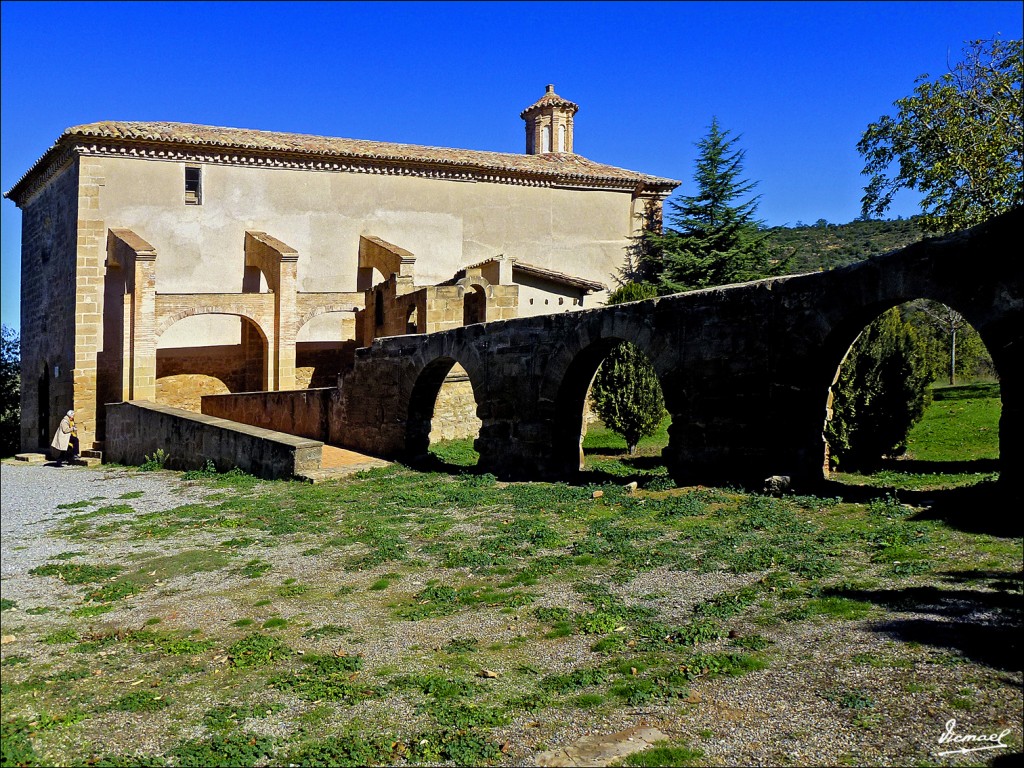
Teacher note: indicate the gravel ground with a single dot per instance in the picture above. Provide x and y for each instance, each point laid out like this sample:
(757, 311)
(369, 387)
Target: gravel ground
(790, 713)
(29, 502)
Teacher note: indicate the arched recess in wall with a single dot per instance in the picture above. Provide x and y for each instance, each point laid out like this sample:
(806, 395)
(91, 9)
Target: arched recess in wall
(378, 308)
(956, 439)
(573, 416)
(231, 357)
(474, 306)
(412, 320)
(324, 347)
(442, 417)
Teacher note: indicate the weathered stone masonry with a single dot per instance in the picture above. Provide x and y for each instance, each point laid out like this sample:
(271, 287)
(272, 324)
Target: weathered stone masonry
(745, 369)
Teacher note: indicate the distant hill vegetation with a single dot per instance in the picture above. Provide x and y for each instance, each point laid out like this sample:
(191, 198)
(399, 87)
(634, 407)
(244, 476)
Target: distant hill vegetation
(823, 245)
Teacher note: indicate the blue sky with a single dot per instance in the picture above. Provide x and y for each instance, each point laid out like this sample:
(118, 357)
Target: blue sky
(799, 81)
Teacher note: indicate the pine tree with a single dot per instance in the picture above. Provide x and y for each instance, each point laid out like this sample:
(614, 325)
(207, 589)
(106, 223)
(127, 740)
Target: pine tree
(626, 392)
(714, 237)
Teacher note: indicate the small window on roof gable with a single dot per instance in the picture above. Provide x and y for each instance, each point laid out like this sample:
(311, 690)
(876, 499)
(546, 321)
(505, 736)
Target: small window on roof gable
(193, 185)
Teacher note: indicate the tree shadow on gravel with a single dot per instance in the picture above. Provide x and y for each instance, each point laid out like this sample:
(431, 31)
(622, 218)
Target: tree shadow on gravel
(986, 507)
(982, 625)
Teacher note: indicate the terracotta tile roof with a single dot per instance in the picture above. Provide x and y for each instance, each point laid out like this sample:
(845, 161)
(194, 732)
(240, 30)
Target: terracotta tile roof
(541, 272)
(556, 277)
(549, 99)
(554, 168)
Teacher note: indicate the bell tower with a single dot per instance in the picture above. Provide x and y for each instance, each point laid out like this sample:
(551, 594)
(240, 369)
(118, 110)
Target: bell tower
(549, 123)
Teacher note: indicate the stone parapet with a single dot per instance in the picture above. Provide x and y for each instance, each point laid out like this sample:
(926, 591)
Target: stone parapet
(138, 429)
(302, 412)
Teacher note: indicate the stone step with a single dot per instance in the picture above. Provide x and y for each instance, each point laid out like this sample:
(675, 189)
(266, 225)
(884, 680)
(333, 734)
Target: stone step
(31, 458)
(336, 463)
(84, 461)
(93, 454)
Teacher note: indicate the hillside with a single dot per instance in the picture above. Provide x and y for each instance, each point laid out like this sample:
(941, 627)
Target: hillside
(826, 246)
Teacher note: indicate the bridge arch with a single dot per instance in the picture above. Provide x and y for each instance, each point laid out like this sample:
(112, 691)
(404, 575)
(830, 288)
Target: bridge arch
(423, 400)
(572, 373)
(839, 343)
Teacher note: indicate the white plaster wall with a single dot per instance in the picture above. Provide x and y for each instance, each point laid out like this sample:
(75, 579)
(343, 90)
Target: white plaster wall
(540, 297)
(202, 331)
(330, 326)
(447, 225)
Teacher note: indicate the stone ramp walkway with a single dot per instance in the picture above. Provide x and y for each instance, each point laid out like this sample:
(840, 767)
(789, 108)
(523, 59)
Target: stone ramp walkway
(337, 462)
(601, 749)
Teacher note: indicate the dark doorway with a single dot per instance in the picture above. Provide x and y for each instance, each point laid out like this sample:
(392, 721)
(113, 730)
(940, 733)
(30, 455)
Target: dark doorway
(43, 394)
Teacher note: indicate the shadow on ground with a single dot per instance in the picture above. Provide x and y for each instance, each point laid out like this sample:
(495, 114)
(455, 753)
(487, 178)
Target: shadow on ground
(983, 624)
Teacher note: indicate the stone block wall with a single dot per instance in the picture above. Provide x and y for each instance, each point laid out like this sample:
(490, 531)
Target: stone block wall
(303, 412)
(185, 375)
(138, 428)
(89, 296)
(455, 409)
(319, 363)
(392, 304)
(49, 243)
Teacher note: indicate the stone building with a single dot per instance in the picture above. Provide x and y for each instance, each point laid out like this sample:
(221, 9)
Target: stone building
(165, 261)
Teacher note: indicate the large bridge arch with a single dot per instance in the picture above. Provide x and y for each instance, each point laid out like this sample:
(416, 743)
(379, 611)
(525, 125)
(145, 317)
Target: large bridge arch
(423, 402)
(572, 368)
(938, 269)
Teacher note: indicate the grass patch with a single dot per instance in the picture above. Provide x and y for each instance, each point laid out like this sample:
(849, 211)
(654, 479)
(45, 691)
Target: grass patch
(458, 453)
(77, 573)
(257, 650)
(327, 630)
(327, 678)
(140, 701)
(663, 755)
(234, 748)
(960, 424)
(89, 611)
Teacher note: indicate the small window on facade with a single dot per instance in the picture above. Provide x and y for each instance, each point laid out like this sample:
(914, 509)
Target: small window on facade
(193, 185)
(545, 139)
(561, 138)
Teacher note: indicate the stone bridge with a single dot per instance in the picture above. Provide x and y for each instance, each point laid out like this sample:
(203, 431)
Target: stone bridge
(745, 369)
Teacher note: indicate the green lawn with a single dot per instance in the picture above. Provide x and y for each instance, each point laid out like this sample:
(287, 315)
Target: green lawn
(601, 440)
(960, 424)
(955, 444)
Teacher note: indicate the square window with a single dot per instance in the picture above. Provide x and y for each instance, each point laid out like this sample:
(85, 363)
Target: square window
(193, 185)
